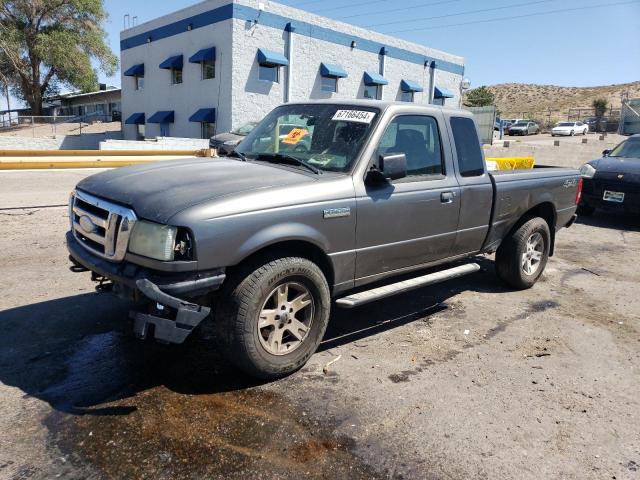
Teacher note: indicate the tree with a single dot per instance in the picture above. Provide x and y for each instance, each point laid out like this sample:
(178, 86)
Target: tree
(46, 44)
(479, 97)
(600, 106)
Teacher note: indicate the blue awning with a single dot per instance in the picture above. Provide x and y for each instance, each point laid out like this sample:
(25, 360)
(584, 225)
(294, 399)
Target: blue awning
(204, 55)
(135, 119)
(271, 59)
(410, 86)
(207, 115)
(162, 117)
(372, 78)
(135, 71)
(442, 93)
(175, 63)
(332, 70)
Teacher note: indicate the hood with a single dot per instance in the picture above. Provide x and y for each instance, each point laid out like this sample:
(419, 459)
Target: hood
(159, 190)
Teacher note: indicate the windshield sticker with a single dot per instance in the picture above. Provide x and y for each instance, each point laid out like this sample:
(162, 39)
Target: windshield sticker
(357, 116)
(295, 136)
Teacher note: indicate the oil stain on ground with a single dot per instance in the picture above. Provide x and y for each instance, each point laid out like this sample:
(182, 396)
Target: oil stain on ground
(159, 413)
(247, 434)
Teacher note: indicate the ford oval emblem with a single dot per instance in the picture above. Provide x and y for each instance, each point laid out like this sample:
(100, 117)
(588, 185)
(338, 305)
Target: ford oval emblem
(87, 224)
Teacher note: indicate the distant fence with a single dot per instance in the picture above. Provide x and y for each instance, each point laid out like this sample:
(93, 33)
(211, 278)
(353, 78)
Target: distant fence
(547, 119)
(51, 126)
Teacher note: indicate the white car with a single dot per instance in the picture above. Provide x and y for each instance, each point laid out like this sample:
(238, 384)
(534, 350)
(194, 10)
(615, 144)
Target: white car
(570, 129)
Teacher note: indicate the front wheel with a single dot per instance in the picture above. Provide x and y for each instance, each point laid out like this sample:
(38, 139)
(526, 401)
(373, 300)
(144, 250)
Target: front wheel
(272, 316)
(523, 255)
(573, 133)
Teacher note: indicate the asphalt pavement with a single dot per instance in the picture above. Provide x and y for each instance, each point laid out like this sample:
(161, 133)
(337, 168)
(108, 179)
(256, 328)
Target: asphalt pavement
(463, 380)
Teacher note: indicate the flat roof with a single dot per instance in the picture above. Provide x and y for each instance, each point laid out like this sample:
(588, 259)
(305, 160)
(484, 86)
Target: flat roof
(283, 17)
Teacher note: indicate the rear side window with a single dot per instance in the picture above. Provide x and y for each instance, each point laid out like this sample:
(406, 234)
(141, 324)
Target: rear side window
(468, 147)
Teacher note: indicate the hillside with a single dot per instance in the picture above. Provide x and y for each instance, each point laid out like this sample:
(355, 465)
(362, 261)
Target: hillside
(521, 97)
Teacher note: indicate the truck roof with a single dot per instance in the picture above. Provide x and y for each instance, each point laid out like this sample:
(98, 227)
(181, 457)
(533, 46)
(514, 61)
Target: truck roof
(383, 106)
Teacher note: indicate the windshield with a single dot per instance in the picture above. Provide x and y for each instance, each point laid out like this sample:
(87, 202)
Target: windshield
(245, 129)
(630, 148)
(565, 124)
(328, 137)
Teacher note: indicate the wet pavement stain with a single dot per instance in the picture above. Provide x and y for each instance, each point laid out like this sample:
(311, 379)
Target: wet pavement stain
(130, 409)
(245, 434)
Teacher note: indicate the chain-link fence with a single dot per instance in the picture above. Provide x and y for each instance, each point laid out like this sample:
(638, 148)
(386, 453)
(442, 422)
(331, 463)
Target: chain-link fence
(52, 126)
(547, 119)
(630, 118)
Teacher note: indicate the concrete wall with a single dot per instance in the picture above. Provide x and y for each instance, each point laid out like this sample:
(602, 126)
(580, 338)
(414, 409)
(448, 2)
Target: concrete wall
(90, 141)
(159, 143)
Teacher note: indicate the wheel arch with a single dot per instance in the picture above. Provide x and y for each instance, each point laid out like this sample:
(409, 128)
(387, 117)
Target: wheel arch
(546, 211)
(291, 247)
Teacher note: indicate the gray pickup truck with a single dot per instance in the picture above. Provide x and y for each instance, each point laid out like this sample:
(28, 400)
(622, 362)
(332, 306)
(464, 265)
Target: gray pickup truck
(261, 244)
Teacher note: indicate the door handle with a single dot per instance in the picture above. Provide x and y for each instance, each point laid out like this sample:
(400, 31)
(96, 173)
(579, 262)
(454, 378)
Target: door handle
(447, 197)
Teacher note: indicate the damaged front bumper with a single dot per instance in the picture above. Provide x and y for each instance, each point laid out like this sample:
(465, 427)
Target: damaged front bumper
(174, 318)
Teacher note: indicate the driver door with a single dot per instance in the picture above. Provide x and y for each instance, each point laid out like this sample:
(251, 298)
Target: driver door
(413, 221)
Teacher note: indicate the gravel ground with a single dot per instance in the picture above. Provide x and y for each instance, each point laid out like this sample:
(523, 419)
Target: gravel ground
(463, 380)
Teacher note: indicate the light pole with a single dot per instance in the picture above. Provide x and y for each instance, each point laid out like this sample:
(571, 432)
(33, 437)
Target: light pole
(465, 85)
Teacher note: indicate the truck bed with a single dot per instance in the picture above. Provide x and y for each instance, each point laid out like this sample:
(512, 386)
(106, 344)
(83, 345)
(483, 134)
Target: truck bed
(516, 192)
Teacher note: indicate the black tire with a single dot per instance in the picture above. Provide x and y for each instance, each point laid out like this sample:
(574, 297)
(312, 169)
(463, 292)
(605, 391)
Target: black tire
(509, 257)
(241, 301)
(573, 134)
(585, 210)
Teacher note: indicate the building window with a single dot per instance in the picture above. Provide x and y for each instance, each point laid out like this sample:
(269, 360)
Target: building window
(164, 130)
(371, 91)
(208, 129)
(176, 76)
(140, 135)
(208, 69)
(407, 97)
(329, 84)
(139, 83)
(269, 73)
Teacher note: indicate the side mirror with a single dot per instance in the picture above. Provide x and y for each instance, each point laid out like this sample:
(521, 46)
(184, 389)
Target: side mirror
(606, 153)
(393, 166)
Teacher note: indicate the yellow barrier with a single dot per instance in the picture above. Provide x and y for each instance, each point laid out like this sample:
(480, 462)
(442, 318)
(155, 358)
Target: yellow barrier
(512, 163)
(206, 152)
(42, 163)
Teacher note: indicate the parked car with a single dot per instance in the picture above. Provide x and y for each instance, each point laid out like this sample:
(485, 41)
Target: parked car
(524, 127)
(224, 143)
(270, 239)
(570, 129)
(613, 181)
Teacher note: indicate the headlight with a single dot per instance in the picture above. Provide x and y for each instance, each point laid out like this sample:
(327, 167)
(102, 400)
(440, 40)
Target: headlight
(230, 143)
(587, 171)
(153, 240)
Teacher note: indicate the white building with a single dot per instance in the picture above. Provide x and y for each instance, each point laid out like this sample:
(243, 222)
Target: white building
(220, 63)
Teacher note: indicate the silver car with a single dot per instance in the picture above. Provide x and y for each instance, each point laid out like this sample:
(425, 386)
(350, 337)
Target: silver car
(524, 127)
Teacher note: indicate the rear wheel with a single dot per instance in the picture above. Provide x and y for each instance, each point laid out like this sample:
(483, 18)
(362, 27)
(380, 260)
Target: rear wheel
(523, 255)
(272, 316)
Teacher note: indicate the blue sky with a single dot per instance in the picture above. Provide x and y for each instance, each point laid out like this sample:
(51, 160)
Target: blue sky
(582, 47)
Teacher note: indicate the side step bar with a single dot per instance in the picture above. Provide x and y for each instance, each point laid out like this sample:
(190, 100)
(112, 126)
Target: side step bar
(385, 291)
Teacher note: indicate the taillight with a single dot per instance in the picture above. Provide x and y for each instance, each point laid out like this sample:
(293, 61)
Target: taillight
(579, 192)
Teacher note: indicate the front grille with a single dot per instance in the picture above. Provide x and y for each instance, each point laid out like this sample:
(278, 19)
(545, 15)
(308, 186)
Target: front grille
(100, 226)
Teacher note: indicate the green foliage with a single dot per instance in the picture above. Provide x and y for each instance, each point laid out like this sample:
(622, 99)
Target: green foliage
(479, 97)
(47, 44)
(600, 105)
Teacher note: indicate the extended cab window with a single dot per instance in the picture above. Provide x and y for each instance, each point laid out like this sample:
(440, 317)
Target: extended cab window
(416, 136)
(468, 148)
